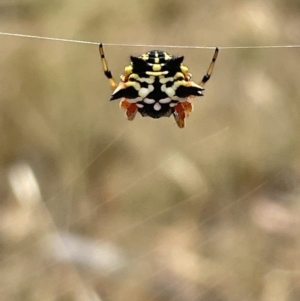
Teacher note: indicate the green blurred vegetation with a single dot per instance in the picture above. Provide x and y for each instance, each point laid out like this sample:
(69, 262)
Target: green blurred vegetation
(208, 213)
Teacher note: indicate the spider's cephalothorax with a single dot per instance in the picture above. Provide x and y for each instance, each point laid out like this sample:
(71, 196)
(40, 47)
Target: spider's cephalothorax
(156, 84)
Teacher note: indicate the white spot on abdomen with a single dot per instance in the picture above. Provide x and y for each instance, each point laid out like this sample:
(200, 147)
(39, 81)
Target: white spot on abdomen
(165, 100)
(148, 80)
(164, 80)
(143, 92)
(149, 101)
(170, 92)
(157, 106)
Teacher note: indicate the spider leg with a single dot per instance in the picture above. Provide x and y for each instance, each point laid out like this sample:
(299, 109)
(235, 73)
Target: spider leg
(206, 77)
(107, 72)
(187, 106)
(181, 111)
(130, 108)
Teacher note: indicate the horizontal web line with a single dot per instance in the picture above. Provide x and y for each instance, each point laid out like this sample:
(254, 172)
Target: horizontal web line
(145, 45)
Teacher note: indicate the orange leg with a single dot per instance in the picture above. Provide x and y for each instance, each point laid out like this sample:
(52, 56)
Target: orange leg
(188, 107)
(179, 115)
(130, 108)
(181, 111)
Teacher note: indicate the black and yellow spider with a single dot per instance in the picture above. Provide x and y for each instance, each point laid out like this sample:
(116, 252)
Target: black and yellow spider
(156, 84)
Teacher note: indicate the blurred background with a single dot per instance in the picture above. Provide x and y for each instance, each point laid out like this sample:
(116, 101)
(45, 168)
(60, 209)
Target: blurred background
(94, 207)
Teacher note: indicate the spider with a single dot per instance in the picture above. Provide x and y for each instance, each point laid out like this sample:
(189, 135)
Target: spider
(156, 84)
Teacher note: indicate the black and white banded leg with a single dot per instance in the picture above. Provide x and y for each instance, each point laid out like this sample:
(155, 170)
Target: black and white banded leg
(107, 72)
(207, 76)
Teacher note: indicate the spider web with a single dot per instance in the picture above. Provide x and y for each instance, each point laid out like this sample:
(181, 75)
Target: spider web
(98, 208)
